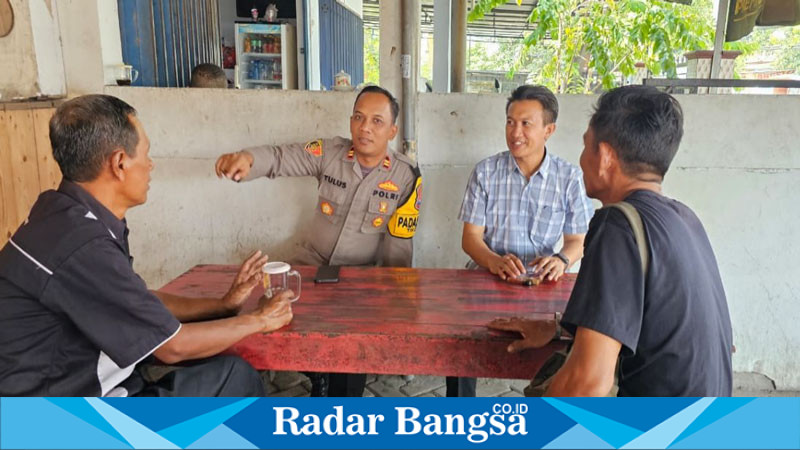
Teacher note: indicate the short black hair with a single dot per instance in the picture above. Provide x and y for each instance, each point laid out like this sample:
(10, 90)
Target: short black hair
(208, 76)
(86, 130)
(379, 90)
(541, 94)
(643, 124)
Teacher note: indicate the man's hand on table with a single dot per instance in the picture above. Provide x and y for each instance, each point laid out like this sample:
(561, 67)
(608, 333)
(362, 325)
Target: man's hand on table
(506, 266)
(248, 278)
(275, 312)
(536, 333)
(234, 166)
(549, 268)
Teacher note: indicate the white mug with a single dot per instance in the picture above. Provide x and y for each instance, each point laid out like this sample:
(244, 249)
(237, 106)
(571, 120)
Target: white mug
(276, 279)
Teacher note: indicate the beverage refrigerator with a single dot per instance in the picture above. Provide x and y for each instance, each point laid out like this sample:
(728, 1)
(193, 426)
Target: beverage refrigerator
(266, 56)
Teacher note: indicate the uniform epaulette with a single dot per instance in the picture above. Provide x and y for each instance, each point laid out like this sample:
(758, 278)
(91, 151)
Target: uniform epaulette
(401, 157)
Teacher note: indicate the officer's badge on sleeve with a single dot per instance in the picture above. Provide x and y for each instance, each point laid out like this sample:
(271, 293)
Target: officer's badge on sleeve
(314, 148)
(403, 223)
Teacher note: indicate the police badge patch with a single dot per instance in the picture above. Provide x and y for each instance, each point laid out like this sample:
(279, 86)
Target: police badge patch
(314, 148)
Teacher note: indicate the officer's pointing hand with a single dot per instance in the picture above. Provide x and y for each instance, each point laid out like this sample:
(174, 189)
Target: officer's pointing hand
(234, 166)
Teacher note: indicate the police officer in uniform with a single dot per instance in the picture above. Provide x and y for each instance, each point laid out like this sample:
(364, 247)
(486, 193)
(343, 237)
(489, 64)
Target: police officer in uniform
(369, 198)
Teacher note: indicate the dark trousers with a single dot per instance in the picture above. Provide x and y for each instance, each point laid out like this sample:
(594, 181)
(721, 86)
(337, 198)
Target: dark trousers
(461, 386)
(337, 384)
(218, 376)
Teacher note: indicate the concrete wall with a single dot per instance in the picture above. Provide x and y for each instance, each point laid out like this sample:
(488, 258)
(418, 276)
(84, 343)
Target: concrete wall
(737, 168)
(31, 64)
(91, 44)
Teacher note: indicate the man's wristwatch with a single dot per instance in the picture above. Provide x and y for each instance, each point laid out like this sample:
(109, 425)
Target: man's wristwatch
(563, 258)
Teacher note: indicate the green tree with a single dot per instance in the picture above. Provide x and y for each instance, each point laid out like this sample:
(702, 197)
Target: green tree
(594, 43)
(789, 53)
(780, 44)
(372, 71)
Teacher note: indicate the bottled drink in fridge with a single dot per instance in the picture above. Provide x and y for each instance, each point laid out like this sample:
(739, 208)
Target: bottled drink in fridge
(276, 70)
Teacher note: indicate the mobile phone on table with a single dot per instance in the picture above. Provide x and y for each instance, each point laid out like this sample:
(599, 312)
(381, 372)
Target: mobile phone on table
(327, 274)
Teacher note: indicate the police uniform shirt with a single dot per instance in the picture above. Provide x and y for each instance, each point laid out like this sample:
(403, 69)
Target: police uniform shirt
(359, 220)
(74, 317)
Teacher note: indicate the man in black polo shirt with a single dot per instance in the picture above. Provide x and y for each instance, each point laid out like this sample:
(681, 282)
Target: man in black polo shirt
(75, 320)
(669, 329)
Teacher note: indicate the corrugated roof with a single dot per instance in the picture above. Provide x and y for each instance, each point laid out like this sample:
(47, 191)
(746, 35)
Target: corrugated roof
(506, 21)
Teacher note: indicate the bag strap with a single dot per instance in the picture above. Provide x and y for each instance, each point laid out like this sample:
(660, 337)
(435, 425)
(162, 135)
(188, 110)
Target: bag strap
(635, 220)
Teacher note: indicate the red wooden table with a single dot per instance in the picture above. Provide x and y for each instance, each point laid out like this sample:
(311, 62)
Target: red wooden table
(394, 321)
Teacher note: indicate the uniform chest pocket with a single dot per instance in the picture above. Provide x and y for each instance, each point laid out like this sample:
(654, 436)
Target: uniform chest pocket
(331, 201)
(549, 223)
(379, 211)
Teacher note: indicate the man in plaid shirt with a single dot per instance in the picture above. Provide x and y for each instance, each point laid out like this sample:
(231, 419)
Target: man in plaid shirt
(521, 202)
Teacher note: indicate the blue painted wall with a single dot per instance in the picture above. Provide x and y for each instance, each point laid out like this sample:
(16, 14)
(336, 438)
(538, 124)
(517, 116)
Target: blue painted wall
(341, 38)
(137, 40)
(162, 43)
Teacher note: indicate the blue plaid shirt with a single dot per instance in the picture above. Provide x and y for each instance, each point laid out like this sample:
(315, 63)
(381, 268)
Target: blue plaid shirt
(526, 218)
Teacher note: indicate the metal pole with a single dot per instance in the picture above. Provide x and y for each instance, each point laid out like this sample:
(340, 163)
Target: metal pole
(193, 35)
(719, 39)
(153, 37)
(188, 60)
(164, 41)
(208, 33)
(200, 34)
(459, 46)
(410, 69)
(217, 45)
(442, 15)
(174, 34)
(217, 33)
(211, 35)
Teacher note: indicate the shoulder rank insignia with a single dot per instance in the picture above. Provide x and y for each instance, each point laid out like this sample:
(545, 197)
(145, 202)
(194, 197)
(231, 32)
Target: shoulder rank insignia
(403, 223)
(351, 153)
(314, 148)
(389, 186)
(326, 208)
(387, 163)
